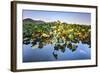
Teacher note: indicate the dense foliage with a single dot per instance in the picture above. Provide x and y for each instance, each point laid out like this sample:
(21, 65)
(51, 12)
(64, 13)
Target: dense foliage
(61, 35)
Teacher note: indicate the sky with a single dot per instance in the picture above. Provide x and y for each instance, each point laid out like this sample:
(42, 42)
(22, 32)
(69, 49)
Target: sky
(50, 16)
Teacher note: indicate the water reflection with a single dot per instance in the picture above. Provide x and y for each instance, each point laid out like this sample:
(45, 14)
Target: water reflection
(60, 45)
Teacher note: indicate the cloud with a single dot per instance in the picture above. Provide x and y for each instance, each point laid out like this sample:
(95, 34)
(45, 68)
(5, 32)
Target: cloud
(82, 51)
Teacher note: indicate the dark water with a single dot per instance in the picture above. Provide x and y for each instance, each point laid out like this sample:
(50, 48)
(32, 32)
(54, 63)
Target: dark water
(47, 53)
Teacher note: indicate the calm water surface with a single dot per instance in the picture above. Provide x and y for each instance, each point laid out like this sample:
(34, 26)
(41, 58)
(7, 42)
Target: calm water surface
(47, 53)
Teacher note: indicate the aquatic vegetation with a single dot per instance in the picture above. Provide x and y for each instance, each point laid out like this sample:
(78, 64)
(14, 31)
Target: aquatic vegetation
(61, 35)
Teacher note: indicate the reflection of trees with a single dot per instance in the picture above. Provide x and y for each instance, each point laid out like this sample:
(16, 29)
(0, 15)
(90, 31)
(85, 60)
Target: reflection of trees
(55, 54)
(61, 35)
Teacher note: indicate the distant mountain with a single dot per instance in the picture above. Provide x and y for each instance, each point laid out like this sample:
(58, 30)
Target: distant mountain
(29, 21)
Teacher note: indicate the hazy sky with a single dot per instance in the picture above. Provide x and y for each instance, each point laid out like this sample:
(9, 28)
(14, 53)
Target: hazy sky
(48, 16)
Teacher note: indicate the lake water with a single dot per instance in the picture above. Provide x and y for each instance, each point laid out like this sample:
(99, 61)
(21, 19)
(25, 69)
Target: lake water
(47, 53)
